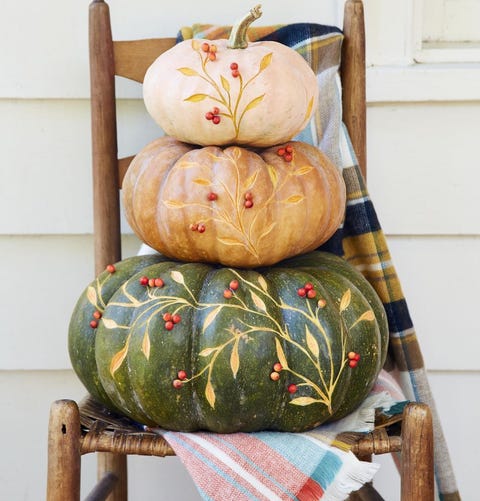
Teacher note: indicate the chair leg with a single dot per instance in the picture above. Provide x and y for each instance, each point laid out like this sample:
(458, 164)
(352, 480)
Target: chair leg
(417, 477)
(116, 464)
(64, 457)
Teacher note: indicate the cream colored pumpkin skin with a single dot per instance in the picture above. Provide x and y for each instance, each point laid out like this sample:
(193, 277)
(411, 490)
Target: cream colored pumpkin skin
(267, 103)
(192, 204)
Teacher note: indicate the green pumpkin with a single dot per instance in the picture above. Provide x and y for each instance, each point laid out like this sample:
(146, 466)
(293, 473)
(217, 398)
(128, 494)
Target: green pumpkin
(212, 348)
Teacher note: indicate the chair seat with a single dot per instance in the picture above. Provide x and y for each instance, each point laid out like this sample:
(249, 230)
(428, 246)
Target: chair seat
(106, 431)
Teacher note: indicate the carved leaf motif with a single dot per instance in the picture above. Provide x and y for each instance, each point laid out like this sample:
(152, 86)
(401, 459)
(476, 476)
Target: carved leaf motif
(263, 283)
(266, 60)
(305, 169)
(251, 180)
(206, 352)
(304, 401)
(258, 302)
(174, 204)
(346, 298)
(229, 241)
(311, 342)
(109, 323)
(281, 354)
(235, 360)
(225, 83)
(146, 345)
(202, 181)
(254, 102)
(368, 316)
(196, 98)
(210, 394)
(309, 108)
(118, 359)
(189, 72)
(92, 295)
(294, 199)
(273, 175)
(177, 277)
(211, 317)
(267, 230)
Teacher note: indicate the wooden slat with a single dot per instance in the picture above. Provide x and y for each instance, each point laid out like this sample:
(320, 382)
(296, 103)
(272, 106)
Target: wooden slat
(132, 58)
(353, 73)
(123, 164)
(104, 138)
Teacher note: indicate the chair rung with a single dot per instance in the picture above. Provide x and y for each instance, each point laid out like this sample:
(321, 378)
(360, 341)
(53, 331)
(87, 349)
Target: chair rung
(123, 443)
(377, 442)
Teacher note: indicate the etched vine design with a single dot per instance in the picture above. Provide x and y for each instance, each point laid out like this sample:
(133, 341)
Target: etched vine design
(221, 90)
(241, 331)
(230, 213)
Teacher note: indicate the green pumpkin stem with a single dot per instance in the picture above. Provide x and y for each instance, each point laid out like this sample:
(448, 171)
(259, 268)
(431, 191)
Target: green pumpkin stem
(238, 35)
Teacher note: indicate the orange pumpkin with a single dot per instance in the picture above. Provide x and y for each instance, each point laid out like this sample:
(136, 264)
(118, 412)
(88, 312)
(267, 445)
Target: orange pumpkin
(231, 92)
(232, 205)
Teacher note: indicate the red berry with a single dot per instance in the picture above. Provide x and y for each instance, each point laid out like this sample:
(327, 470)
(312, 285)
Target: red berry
(277, 367)
(227, 294)
(169, 325)
(235, 73)
(212, 56)
(93, 324)
(308, 286)
(143, 281)
(212, 196)
(215, 110)
(194, 227)
(201, 228)
(97, 315)
(289, 149)
(248, 196)
(274, 376)
(234, 285)
(292, 388)
(177, 384)
(167, 317)
(111, 268)
(357, 357)
(352, 363)
(281, 152)
(234, 66)
(205, 47)
(248, 204)
(182, 375)
(216, 119)
(288, 157)
(176, 319)
(151, 282)
(311, 293)
(209, 115)
(351, 355)
(321, 303)
(302, 292)
(213, 48)
(159, 282)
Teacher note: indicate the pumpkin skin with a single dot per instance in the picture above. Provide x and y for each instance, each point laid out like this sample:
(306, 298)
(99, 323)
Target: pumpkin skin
(190, 203)
(217, 365)
(269, 101)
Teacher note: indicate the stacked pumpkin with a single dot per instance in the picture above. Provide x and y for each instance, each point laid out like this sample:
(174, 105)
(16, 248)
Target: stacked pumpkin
(236, 325)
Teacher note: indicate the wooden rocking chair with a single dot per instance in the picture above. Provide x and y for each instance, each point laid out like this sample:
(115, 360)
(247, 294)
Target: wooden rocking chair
(72, 431)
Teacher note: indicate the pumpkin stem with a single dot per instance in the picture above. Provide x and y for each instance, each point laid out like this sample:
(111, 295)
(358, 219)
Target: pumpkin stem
(238, 35)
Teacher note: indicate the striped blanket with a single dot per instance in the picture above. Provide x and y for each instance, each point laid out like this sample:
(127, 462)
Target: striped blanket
(314, 465)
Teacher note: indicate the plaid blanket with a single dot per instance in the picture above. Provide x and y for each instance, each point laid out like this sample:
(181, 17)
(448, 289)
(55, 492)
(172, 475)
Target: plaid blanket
(313, 465)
